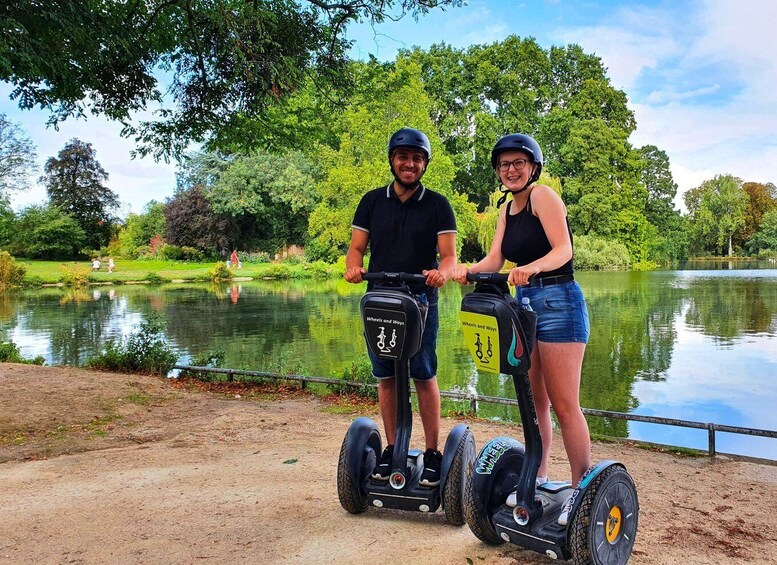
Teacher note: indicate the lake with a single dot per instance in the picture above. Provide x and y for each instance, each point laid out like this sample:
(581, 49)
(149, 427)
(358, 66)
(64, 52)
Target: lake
(688, 344)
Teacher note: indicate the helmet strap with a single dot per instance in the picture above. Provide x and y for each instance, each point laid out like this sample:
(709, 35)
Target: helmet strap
(506, 191)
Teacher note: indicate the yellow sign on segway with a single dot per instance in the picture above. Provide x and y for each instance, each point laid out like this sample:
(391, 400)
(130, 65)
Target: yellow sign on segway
(481, 334)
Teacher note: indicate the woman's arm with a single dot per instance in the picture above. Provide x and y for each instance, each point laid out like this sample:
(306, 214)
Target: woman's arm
(493, 261)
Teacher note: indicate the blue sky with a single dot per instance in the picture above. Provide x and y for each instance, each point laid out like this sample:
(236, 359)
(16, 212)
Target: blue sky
(701, 77)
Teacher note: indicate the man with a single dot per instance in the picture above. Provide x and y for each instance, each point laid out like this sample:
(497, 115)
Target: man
(406, 225)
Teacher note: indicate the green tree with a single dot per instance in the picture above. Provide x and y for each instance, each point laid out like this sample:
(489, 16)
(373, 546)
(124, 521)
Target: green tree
(45, 232)
(659, 183)
(761, 198)
(486, 91)
(139, 229)
(17, 157)
(7, 218)
(272, 193)
(228, 60)
(765, 239)
(394, 100)
(716, 209)
(74, 182)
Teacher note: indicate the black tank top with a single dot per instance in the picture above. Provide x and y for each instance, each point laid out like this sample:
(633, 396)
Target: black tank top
(525, 241)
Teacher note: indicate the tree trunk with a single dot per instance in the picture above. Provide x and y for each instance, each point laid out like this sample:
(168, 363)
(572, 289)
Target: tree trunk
(730, 250)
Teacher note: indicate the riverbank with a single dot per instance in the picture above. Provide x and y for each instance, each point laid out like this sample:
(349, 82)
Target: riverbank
(63, 273)
(111, 468)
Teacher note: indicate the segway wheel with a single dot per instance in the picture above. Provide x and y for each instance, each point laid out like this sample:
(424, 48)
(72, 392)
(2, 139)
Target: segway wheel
(604, 526)
(350, 488)
(484, 494)
(456, 481)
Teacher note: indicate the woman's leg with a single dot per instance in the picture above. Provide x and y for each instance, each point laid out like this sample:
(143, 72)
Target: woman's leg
(561, 367)
(542, 407)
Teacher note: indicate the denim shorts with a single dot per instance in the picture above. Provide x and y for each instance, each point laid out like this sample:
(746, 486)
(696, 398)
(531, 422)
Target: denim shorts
(562, 315)
(423, 365)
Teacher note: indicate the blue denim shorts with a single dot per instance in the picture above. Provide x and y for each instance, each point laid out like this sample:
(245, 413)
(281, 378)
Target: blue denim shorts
(423, 365)
(562, 315)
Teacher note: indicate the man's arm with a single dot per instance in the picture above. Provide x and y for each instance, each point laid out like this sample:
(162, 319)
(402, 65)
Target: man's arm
(446, 245)
(354, 259)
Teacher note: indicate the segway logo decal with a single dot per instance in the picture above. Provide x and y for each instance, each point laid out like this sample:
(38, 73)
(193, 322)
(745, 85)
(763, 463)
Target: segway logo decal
(385, 332)
(490, 455)
(516, 349)
(481, 334)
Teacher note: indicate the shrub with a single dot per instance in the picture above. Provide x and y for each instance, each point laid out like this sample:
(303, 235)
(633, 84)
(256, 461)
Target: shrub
(77, 275)
(359, 371)
(596, 253)
(143, 351)
(192, 254)
(256, 257)
(9, 353)
(153, 278)
(11, 274)
(220, 273)
(171, 252)
(214, 359)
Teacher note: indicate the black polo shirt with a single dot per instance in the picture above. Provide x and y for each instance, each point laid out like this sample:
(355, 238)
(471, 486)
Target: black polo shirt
(403, 235)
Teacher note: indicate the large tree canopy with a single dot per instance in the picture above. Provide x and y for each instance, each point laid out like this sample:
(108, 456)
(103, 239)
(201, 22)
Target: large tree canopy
(74, 182)
(227, 61)
(17, 157)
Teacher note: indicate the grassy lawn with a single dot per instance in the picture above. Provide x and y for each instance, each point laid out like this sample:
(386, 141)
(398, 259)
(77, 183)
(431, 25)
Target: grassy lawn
(47, 272)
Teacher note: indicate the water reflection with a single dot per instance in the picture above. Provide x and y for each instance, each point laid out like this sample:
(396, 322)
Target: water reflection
(697, 345)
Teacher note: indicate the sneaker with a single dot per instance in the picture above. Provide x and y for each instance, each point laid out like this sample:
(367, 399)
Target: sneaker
(563, 519)
(382, 470)
(432, 464)
(512, 498)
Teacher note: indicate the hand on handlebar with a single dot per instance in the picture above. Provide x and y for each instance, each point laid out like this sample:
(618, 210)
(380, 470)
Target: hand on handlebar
(434, 278)
(354, 274)
(521, 276)
(460, 274)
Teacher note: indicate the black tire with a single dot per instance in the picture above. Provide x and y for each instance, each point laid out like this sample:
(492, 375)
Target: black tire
(485, 494)
(604, 526)
(456, 481)
(349, 489)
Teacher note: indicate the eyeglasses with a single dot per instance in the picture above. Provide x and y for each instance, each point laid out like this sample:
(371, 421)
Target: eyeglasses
(518, 165)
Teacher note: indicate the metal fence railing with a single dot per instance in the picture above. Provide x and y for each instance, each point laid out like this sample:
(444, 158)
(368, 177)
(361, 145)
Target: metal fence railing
(473, 400)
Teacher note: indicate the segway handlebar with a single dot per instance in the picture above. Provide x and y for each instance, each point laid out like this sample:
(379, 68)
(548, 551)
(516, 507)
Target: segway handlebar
(488, 277)
(394, 277)
(492, 277)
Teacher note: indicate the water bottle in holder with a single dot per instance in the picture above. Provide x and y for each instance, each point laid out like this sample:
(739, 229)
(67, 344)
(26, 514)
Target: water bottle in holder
(526, 304)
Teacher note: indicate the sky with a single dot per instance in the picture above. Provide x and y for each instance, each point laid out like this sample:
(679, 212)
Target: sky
(700, 76)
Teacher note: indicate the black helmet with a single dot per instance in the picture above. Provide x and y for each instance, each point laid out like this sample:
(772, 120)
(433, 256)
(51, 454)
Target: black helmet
(519, 142)
(411, 138)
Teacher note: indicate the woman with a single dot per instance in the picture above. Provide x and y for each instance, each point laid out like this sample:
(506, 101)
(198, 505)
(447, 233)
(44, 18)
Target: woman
(533, 232)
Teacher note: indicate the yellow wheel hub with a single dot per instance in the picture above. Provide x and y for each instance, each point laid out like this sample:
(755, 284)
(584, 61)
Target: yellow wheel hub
(614, 522)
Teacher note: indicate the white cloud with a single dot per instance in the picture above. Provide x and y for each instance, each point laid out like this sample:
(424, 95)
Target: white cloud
(663, 96)
(701, 85)
(629, 41)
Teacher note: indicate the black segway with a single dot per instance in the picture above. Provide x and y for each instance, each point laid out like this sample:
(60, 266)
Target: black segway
(393, 325)
(602, 522)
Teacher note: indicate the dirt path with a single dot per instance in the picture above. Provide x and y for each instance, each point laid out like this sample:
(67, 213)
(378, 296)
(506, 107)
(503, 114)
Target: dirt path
(105, 468)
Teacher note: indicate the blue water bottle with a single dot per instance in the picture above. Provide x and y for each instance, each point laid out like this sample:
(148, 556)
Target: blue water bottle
(525, 304)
